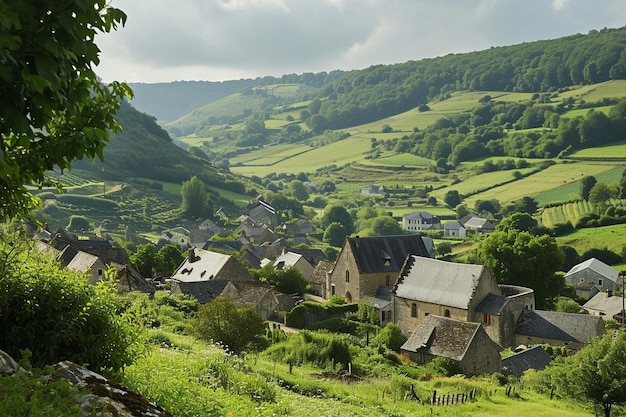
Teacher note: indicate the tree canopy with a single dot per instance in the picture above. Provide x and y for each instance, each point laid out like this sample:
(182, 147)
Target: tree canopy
(195, 197)
(53, 109)
(519, 258)
(596, 374)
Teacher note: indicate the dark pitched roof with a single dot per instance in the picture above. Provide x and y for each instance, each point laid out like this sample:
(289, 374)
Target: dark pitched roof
(568, 327)
(319, 273)
(222, 245)
(385, 253)
(204, 291)
(533, 358)
(314, 256)
(492, 304)
(442, 336)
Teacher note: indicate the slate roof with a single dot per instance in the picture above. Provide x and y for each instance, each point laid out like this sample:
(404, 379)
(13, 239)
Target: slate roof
(314, 256)
(442, 336)
(533, 358)
(438, 282)
(597, 266)
(82, 262)
(223, 245)
(319, 273)
(381, 300)
(204, 291)
(421, 215)
(478, 223)
(452, 225)
(385, 253)
(288, 259)
(205, 267)
(249, 293)
(568, 327)
(492, 304)
(602, 304)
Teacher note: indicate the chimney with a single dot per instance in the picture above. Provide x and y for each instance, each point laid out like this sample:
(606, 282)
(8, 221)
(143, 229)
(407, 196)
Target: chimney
(609, 293)
(191, 255)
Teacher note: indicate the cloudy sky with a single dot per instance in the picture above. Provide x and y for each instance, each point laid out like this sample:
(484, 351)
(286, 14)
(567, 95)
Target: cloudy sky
(218, 40)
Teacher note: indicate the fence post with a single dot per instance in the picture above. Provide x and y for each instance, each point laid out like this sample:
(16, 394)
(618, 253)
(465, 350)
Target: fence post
(434, 399)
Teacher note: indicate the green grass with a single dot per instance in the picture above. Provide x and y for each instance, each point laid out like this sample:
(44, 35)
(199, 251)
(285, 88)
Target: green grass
(199, 379)
(540, 182)
(611, 237)
(399, 160)
(338, 153)
(609, 151)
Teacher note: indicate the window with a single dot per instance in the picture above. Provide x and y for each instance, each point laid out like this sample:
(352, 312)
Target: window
(413, 310)
(347, 276)
(600, 282)
(100, 272)
(446, 313)
(487, 319)
(387, 280)
(332, 289)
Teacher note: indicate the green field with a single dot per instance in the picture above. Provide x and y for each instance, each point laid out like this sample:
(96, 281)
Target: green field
(339, 153)
(540, 182)
(610, 237)
(609, 151)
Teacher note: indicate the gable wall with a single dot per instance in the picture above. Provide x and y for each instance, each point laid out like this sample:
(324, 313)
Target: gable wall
(588, 275)
(401, 308)
(482, 356)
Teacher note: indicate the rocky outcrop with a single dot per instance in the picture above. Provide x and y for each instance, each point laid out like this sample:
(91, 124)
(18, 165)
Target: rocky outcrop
(96, 393)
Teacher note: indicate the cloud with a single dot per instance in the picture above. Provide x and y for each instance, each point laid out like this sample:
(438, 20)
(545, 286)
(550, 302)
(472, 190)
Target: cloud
(230, 39)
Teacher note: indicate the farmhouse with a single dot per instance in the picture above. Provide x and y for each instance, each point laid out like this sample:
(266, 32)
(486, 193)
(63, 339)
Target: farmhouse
(454, 229)
(605, 304)
(365, 263)
(592, 272)
(204, 274)
(557, 329)
(420, 220)
(462, 341)
(291, 259)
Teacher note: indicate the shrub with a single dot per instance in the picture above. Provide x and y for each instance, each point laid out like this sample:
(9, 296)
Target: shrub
(390, 336)
(58, 316)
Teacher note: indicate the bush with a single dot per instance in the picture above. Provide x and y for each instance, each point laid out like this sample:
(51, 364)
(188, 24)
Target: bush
(58, 316)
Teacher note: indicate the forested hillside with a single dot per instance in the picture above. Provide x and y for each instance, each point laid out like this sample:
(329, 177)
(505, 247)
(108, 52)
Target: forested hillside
(544, 66)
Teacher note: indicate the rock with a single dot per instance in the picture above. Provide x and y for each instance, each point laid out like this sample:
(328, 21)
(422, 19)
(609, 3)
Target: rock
(8, 366)
(106, 395)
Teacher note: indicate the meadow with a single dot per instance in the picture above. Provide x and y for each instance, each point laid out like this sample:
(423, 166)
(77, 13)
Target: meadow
(190, 378)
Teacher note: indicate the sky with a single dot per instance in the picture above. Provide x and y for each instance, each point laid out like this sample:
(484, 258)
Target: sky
(218, 40)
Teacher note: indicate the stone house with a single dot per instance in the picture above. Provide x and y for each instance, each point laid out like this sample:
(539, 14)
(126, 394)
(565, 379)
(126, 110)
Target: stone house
(87, 263)
(291, 259)
(557, 329)
(454, 229)
(366, 263)
(593, 272)
(317, 281)
(604, 304)
(462, 292)
(420, 220)
(479, 224)
(204, 274)
(262, 212)
(462, 341)
(255, 294)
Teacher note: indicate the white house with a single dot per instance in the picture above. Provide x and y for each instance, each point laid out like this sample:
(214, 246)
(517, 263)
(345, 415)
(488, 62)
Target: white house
(420, 220)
